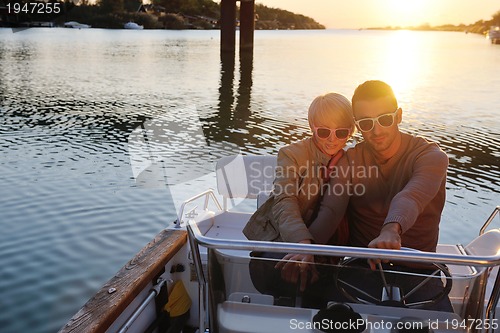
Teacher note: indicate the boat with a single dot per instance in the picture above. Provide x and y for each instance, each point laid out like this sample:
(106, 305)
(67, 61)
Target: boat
(76, 25)
(133, 26)
(494, 34)
(200, 264)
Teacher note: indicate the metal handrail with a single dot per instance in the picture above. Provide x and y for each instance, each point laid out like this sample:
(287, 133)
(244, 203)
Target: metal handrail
(342, 251)
(155, 291)
(202, 281)
(493, 300)
(208, 194)
(489, 220)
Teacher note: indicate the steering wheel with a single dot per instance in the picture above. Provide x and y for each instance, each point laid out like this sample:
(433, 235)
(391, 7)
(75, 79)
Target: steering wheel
(340, 284)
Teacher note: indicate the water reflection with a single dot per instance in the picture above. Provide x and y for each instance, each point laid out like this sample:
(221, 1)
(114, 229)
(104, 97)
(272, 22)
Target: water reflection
(230, 123)
(226, 94)
(242, 108)
(239, 119)
(404, 63)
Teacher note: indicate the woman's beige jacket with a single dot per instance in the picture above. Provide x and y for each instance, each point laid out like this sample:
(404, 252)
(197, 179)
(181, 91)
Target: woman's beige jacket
(293, 203)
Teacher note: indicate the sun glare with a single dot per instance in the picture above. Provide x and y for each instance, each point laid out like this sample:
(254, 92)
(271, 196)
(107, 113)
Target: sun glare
(404, 62)
(405, 6)
(408, 12)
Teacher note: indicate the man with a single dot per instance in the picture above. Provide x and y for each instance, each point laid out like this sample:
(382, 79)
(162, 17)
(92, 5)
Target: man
(391, 185)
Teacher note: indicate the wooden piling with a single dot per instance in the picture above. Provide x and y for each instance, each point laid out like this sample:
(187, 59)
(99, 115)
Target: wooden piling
(247, 25)
(227, 25)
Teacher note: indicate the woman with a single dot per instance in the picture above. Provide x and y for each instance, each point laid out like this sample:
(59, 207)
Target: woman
(301, 173)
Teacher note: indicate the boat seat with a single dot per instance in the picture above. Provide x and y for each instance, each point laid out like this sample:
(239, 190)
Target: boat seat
(481, 288)
(255, 182)
(229, 225)
(487, 244)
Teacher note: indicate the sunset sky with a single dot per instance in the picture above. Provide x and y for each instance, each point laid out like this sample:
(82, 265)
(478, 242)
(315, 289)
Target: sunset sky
(382, 13)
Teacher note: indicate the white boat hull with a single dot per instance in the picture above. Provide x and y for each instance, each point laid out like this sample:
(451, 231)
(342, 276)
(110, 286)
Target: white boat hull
(133, 26)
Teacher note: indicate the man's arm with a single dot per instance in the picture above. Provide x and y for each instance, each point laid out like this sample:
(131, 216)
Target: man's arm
(429, 171)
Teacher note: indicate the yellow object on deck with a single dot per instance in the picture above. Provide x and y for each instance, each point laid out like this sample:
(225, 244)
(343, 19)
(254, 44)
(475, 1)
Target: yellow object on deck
(179, 301)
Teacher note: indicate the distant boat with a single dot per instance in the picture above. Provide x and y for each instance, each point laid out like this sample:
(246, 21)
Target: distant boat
(494, 34)
(76, 25)
(133, 26)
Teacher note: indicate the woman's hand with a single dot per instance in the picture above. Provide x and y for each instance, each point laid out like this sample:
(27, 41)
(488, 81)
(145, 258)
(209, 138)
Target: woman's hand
(295, 266)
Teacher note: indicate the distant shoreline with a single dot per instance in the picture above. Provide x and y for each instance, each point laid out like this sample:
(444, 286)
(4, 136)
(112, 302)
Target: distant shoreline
(480, 27)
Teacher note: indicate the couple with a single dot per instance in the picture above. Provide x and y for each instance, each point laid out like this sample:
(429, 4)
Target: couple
(386, 192)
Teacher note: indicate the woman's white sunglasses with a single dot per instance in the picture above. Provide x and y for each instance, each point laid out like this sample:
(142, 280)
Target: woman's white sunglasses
(325, 132)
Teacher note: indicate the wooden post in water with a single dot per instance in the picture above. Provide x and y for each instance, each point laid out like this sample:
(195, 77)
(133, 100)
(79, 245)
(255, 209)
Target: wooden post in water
(227, 25)
(247, 25)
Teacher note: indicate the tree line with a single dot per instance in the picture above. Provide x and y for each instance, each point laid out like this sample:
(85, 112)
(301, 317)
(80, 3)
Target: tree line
(169, 14)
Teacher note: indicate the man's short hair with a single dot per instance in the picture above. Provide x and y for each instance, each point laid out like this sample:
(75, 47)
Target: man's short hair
(371, 90)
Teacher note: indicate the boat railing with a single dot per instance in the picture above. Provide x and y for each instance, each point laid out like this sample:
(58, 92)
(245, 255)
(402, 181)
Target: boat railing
(489, 220)
(495, 293)
(208, 194)
(342, 251)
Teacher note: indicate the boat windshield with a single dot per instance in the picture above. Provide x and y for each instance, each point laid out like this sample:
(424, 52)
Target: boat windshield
(243, 285)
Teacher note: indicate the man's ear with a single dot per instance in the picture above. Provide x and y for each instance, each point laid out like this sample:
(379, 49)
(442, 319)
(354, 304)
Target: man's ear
(399, 116)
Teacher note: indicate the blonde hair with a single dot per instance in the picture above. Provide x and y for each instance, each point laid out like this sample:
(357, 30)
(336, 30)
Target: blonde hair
(331, 107)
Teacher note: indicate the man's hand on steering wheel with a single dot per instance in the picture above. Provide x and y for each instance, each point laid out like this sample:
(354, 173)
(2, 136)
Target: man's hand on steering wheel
(389, 238)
